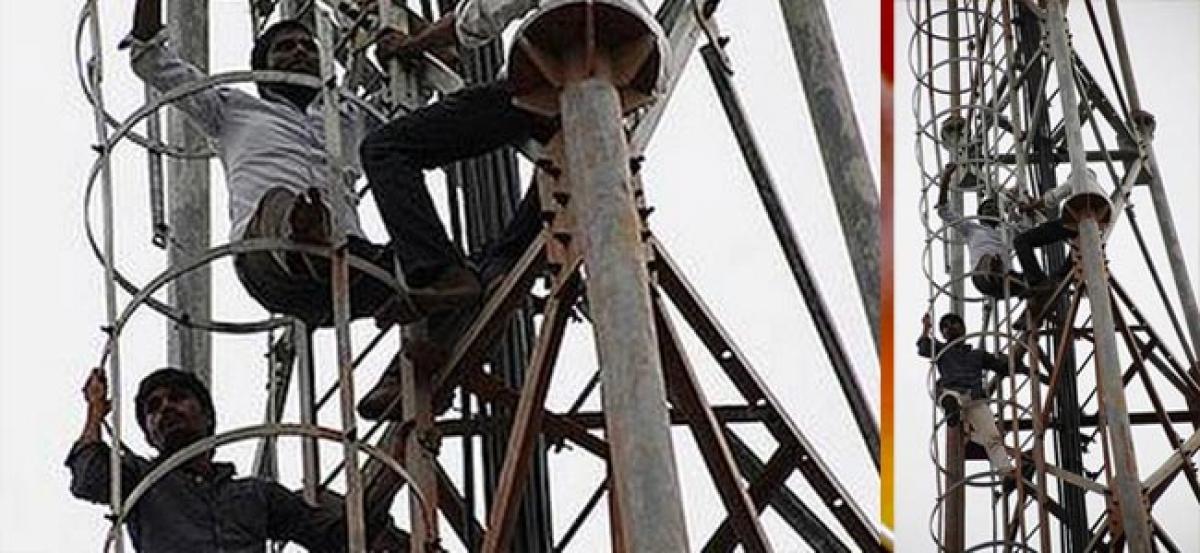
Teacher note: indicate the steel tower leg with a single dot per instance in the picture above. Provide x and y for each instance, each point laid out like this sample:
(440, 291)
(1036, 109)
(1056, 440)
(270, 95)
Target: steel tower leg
(846, 163)
(1127, 488)
(646, 483)
(1162, 208)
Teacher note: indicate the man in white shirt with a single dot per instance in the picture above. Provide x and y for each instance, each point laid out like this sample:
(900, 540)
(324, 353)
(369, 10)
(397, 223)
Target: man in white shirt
(991, 266)
(273, 151)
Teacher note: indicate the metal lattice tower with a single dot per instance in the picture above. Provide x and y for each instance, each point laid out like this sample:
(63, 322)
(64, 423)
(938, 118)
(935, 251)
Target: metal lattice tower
(501, 366)
(1006, 102)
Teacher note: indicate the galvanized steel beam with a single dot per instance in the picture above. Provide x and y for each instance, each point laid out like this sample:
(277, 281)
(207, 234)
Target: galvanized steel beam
(846, 163)
(189, 205)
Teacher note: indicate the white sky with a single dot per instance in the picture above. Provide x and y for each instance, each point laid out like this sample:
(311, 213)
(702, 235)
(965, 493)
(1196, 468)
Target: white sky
(1163, 40)
(52, 293)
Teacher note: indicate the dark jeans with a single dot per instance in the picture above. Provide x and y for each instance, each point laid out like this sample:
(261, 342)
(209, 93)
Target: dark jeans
(297, 284)
(463, 125)
(1042, 235)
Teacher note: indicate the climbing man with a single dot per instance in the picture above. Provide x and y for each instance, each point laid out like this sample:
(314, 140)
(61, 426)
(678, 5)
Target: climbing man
(1050, 232)
(960, 386)
(990, 262)
(273, 150)
(465, 124)
(201, 506)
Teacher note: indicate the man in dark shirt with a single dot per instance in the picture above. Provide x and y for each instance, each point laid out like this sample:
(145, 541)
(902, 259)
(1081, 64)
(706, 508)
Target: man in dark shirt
(201, 506)
(960, 385)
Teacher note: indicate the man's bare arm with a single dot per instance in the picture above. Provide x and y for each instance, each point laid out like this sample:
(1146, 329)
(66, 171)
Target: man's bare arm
(395, 45)
(147, 19)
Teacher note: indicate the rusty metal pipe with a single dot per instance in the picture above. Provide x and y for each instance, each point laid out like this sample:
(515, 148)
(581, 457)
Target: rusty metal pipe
(643, 460)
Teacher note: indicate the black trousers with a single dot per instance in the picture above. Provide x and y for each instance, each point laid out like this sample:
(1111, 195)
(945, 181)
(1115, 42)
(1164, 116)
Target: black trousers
(989, 277)
(297, 284)
(1042, 235)
(463, 125)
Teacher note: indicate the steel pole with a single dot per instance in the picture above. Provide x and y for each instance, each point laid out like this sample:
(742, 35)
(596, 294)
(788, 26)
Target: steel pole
(188, 203)
(954, 516)
(1127, 488)
(1158, 194)
(643, 460)
(847, 166)
(956, 244)
(1060, 49)
(955, 524)
(309, 453)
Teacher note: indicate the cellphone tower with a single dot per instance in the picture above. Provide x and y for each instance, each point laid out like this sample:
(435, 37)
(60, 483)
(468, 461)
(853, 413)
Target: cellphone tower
(1104, 422)
(607, 68)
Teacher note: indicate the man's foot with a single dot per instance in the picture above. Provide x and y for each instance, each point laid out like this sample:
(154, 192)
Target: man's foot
(456, 287)
(1038, 288)
(309, 220)
(397, 311)
(1037, 297)
(1009, 482)
(383, 401)
(426, 355)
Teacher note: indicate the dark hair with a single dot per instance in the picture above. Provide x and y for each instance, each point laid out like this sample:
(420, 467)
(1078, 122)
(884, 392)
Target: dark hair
(262, 44)
(988, 202)
(949, 318)
(171, 377)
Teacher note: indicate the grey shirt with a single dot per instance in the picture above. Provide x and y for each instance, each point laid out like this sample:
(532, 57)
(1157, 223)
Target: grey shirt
(960, 367)
(188, 512)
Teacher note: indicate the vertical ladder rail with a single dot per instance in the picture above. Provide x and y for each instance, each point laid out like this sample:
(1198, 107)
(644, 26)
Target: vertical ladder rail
(96, 77)
(340, 284)
(309, 454)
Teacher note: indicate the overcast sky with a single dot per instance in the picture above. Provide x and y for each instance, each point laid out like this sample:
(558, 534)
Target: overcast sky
(1163, 40)
(708, 215)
